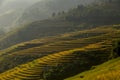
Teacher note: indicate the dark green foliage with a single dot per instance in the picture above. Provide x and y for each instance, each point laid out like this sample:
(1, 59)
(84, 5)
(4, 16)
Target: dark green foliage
(53, 14)
(1, 32)
(115, 51)
(98, 14)
(117, 48)
(81, 62)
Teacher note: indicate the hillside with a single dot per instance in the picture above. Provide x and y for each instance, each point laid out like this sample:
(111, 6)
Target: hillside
(43, 68)
(106, 71)
(35, 30)
(38, 48)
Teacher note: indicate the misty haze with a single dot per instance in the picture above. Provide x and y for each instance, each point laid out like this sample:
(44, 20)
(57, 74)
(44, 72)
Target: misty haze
(59, 39)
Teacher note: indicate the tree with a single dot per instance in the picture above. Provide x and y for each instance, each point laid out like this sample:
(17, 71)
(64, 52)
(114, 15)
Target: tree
(117, 48)
(2, 31)
(110, 1)
(53, 14)
(63, 12)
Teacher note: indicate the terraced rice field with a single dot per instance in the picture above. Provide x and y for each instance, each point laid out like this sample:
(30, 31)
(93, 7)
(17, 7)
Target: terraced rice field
(34, 70)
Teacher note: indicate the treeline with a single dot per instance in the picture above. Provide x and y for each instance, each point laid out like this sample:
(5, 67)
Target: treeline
(104, 12)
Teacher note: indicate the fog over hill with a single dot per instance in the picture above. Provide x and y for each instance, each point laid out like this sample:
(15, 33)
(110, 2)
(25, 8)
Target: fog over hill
(14, 12)
(44, 9)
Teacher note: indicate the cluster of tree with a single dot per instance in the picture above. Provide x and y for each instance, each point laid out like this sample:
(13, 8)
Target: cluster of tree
(58, 14)
(101, 13)
(81, 62)
(116, 49)
(2, 32)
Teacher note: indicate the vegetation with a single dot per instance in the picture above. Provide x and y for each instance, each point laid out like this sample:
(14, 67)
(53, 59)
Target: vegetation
(116, 48)
(97, 14)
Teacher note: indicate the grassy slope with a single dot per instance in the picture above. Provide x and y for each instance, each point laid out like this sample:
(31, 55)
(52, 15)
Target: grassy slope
(107, 71)
(16, 55)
